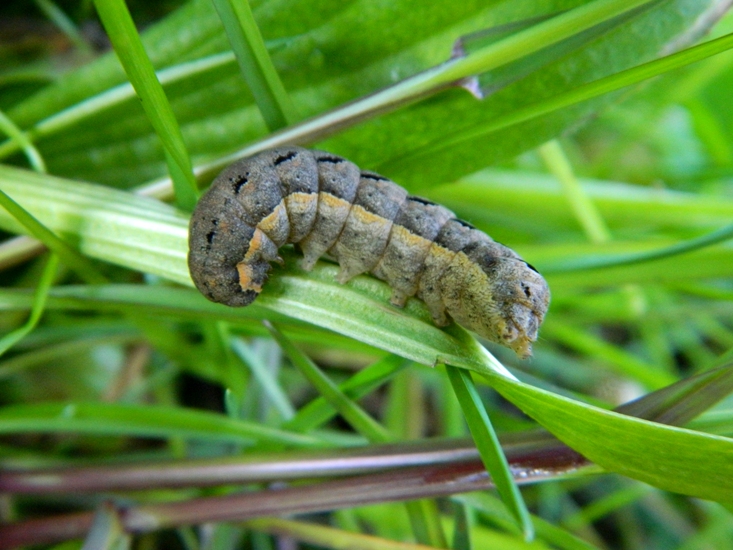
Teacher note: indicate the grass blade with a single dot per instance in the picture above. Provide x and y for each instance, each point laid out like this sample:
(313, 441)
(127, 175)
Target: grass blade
(489, 447)
(126, 42)
(255, 63)
(595, 262)
(70, 257)
(319, 411)
(39, 304)
(582, 93)
(142, 421)
(20, 139)
(352, 413)
(265, 378)
(664, 456)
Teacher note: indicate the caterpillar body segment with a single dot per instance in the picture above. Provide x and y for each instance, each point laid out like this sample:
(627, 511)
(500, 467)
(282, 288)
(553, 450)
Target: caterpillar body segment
(325, 205)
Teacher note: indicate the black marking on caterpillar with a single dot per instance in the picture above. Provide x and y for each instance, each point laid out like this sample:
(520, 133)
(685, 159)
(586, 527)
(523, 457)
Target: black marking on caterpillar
(325, 205)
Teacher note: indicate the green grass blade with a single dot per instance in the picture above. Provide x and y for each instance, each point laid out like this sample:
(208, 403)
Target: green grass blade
(670, 458)
(624, 206)
(547, 531)
(39, 304)
(425, 520)
(65, 24)
(126, 42)
(621, 361)
(20, 140)
(255, 63)
(573, 96)
(100, 220)
(107, 419)
(594, 262)
(265, 378)
(462, 527)
(511, 48)
(585, 211)
(679, 403)
(490, 449)
(352, 413)
(540, 36)
(70, 257)
(319, 411)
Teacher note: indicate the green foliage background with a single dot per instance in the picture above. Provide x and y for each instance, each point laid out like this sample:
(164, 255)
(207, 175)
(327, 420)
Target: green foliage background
(115, 369)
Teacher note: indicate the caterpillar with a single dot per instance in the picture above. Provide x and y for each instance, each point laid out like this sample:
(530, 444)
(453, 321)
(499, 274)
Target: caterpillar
(325, 205)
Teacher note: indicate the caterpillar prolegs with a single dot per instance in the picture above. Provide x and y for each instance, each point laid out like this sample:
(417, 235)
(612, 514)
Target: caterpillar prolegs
(325, 205)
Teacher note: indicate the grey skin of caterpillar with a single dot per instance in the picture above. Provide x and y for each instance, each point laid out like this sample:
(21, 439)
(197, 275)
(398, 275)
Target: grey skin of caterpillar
(325, 205)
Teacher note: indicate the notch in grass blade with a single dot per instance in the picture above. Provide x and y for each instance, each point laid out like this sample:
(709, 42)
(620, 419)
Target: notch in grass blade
(488, 83)
(489, 448)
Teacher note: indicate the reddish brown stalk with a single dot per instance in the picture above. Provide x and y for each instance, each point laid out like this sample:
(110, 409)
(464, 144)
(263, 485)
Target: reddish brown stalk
(259, 468)
(397, 485)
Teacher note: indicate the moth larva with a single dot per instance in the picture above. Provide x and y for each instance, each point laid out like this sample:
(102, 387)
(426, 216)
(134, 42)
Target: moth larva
(325, 204)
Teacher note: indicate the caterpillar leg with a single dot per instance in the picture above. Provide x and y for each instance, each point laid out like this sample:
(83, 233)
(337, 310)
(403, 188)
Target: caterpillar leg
(253, 269)
(398, 298)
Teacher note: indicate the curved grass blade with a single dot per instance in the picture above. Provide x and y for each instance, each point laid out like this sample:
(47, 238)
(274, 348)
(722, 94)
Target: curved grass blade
(39, 304)
(149, 236)
(596, 262)
(20, 139)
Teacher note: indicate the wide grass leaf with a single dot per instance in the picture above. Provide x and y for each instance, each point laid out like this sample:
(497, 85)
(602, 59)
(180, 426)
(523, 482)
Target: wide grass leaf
(325, 61)
(670, 458)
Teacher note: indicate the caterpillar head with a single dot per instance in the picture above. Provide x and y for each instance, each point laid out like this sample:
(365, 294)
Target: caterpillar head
(503, 299)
